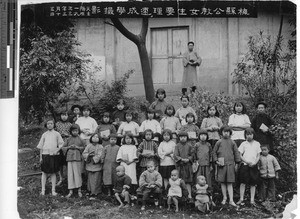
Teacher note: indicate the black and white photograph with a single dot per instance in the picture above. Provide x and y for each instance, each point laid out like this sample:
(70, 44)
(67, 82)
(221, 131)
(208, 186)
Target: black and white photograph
(152, 108)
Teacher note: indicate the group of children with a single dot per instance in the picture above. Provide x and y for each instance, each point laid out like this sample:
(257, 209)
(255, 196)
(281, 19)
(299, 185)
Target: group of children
(168, 155)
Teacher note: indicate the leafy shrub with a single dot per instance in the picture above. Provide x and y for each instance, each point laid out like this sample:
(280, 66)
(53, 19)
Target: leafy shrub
(268, 72)
(202, 98)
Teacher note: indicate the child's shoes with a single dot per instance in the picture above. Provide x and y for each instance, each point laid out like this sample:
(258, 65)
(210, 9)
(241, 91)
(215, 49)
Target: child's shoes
(54, 193)
(232, 204)
(223, 202)
(240, 202)
(143, 208)
(79, 194)
(69, 195)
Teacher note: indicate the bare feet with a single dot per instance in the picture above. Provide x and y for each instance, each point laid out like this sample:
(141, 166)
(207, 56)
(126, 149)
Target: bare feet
(121, 205)
(69, 195)
(54, 193)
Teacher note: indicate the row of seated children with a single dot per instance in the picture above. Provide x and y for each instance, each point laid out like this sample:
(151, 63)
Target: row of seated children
(127, 155)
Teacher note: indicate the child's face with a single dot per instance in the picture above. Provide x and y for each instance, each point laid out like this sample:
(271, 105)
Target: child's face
(261, 108)
(50, 125)
(128, 117)
(120, 106)
(128, 140)
(203, 137)
(148, 136)
(190, 119)
(64, 117)
(75, 132)
(160, 96)
(190, 47)
(150, 168)
(76, 111)
(239, 108)
(184, 102)
(105, 119)
(85, 113)
(264, 151)
(95, 139)
(249, 137)
(174, 176)
(226, 134)
(120, 172)
(212, 111)
(183, 138)
(113, 140)
(201, 181)
(150, 116)
(169, 111)
(166, 137)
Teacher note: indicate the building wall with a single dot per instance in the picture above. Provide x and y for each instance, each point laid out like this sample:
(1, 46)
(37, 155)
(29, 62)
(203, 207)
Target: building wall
(221, 42)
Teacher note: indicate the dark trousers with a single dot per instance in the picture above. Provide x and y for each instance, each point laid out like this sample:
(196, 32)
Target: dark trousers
(267, 189)
(156, 192)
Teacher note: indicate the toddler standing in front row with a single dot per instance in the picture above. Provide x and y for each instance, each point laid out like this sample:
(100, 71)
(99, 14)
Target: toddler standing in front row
(49, 145)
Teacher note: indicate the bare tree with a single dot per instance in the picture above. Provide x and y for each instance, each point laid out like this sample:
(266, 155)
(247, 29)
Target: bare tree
(140, 41)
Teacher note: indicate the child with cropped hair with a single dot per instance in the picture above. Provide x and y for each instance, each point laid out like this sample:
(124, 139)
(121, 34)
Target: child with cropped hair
(147, 151)
(109, 157)
(212, 124)
(122, 187)
(226, 156)
(49, 145)
(183, 156)
(191, 128)
(166, 154)
(105, 128)
(159, 105)
(150, 183)
(176, 190)
(73, 148)
(184, 110)
(152, 124)
(268, 168)
(248, 172)
(87, 124)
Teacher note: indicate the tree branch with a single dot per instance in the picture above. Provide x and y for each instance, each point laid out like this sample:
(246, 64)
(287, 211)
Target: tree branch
(117, 23)
(106, 22)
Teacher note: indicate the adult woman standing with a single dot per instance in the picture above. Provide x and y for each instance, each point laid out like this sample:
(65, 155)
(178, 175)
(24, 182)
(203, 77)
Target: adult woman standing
(190, 61)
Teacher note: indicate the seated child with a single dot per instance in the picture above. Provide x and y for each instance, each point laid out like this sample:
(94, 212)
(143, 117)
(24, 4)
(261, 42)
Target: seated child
(150, 183)
(268, 168)
(202, 199)
(122, 186)
(176, 190)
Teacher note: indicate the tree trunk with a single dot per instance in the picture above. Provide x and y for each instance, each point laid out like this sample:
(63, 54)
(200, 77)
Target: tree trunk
(147, 74)
(140, 41)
